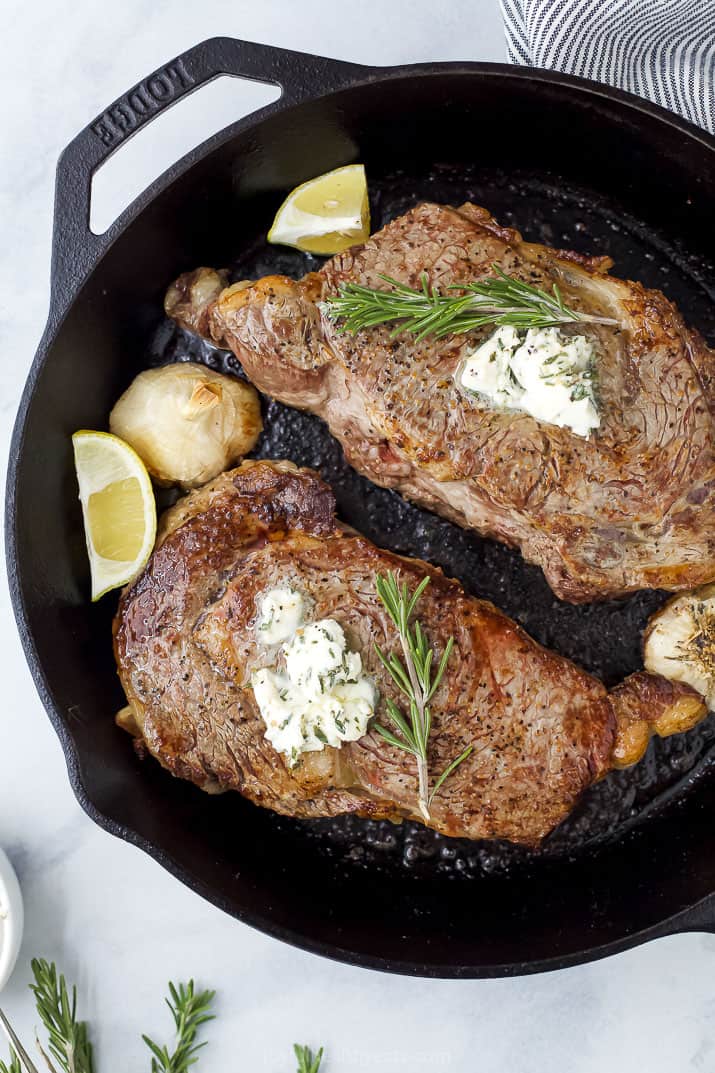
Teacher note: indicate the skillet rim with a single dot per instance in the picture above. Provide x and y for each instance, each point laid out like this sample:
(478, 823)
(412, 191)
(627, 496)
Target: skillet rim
(63, 294)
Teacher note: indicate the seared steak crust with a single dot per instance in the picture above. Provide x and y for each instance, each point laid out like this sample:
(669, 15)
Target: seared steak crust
(632, 506)
(186, 646)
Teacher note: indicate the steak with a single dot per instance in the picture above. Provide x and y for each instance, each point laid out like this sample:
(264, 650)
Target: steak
(186, 645)
(630, 507)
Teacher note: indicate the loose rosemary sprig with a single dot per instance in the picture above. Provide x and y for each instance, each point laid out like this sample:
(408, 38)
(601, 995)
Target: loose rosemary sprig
(417, 683)
(499, 299)
(68, 1038)
(307, 1061)
(69, 1043)
(189, 1010)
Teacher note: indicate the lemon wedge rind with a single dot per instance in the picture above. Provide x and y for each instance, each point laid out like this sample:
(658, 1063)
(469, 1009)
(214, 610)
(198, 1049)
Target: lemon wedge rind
(325, 215)
(118, 508)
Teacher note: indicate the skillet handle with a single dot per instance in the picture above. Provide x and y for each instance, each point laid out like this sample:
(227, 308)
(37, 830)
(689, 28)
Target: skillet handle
(700, 917)
(75, 248)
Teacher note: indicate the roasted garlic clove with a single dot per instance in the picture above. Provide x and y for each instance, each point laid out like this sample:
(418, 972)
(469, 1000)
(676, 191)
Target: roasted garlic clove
(188, 300)
(186, 422)
(679, 642)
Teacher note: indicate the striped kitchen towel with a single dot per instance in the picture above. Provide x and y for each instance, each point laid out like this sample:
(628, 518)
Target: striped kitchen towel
(661, 49)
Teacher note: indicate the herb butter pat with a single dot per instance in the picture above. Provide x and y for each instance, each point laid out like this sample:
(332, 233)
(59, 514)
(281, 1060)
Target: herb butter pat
(281, 614)
(545, 374)
(321, 695)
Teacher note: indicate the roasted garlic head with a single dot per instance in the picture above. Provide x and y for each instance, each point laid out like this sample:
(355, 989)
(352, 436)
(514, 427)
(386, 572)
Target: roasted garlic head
(679, 642)
(186, 422)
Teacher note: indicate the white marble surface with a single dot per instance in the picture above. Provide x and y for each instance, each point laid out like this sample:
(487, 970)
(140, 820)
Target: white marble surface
(111, 917)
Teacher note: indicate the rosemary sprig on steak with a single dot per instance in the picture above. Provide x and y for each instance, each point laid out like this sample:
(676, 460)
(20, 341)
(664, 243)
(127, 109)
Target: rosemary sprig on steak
(415, 680)
(498, 300)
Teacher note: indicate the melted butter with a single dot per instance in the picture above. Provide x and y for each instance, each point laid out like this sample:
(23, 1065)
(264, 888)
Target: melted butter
(544, 373)
(280, 616)
(320, 695)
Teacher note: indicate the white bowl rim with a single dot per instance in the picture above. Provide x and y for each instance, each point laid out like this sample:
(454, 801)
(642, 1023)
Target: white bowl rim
(12, 924)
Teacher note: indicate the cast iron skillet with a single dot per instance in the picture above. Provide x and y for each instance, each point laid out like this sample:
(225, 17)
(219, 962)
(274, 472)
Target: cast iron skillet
(571, 163)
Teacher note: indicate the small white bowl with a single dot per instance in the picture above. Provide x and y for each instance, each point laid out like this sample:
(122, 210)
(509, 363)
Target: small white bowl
(11, 919)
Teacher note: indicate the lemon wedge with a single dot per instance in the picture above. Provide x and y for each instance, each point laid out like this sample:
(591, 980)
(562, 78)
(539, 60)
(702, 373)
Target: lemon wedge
(326, 215)
(118, 508)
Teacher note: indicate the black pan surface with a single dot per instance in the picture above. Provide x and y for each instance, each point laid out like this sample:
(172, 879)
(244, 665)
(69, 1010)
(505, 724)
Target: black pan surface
(638, 851)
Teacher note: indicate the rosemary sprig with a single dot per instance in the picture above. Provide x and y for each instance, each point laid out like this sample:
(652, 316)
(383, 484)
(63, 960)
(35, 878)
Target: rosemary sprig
(70, 1047)
(417, 683)
(189, 1010)
(68, 1038)
(499, 299)
(307, 1061)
